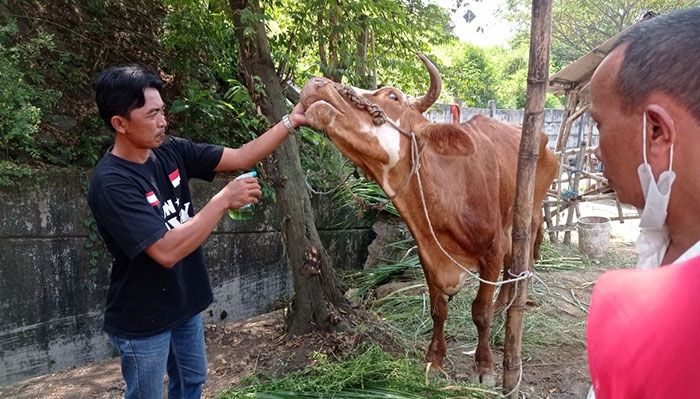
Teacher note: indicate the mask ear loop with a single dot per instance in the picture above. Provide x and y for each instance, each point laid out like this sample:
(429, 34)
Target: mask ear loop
(644, 137)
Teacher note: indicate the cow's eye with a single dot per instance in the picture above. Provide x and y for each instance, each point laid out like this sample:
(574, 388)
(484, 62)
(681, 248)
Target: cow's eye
(393, 96)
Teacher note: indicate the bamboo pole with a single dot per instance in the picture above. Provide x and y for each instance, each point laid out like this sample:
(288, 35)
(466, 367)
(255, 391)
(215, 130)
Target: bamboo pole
(557, 185)
(589, 140)
(560, 148)
(537, 78)
(619, 209)
(599, 197)
(605, 188)
(575, 150)
(549, 222)
(599, 177)
(565, 127)
(577, 177)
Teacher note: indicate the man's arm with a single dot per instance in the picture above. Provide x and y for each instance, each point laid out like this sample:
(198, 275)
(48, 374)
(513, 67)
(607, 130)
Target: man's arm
(246, 156)
(181, 241)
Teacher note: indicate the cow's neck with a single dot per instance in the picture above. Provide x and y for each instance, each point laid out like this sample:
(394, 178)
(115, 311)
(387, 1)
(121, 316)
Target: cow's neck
(395, 179)
(401, 185)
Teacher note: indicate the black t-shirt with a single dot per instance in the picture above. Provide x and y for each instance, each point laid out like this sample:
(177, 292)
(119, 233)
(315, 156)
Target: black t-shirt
(134, 205)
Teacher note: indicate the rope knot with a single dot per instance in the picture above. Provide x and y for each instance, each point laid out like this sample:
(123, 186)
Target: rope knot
(375, 111)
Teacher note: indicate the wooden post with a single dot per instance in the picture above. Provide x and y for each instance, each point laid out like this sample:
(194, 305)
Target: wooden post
(549, 222)
(492, 108)
(619, 209)
(557, 184)
(537, 78)
(565, 127)
(573, 208)
(589, 140)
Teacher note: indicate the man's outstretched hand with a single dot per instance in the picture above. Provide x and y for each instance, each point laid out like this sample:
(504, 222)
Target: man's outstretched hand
(298, 116)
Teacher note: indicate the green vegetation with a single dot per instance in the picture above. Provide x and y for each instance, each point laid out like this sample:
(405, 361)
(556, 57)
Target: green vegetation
(325, 167)
(211, 105)
(408, 315)
(362, 43)
(555, 318)
(368, 373)
(580, 26)
(365, 196)
(17, 176)
(21, 96)
(46, 109)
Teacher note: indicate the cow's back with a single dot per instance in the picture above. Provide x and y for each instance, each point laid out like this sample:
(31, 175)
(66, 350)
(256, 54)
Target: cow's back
(505, 139)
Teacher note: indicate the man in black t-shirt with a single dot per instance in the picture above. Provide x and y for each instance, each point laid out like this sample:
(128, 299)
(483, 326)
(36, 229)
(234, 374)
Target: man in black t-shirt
(140, 198)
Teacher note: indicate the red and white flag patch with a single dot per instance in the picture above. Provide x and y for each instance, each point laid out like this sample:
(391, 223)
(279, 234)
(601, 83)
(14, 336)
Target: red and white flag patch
(152, 199)
(175, 177)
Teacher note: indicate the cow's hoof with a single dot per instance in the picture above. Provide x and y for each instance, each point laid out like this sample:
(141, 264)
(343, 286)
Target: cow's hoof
(439, 369)
(488, 379)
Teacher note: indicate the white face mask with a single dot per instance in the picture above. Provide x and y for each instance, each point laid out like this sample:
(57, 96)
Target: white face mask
(653, 239)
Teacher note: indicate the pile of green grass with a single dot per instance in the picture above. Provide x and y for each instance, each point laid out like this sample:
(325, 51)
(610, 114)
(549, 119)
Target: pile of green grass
(408, 316)
(368, 373)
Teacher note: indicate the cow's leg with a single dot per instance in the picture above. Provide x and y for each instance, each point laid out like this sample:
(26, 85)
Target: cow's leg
(537, 236)
(504, 290)
(438, 310)
(482, 314)
(537, 231)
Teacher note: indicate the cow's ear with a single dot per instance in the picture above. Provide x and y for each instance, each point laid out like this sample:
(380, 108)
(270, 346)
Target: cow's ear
(448, 139)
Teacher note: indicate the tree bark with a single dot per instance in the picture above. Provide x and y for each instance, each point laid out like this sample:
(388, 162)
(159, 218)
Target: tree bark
(334, 68)
(537, 78)
(361, 55)
(321, 39)
(318, 300)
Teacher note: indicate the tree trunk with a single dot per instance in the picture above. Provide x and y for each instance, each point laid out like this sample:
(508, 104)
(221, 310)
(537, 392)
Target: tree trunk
(321, 39)
(363, 80)
(318, 300)
(335, 67)
(537, 78)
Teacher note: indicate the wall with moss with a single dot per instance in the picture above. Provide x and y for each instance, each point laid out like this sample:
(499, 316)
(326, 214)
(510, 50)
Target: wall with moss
(54, 270)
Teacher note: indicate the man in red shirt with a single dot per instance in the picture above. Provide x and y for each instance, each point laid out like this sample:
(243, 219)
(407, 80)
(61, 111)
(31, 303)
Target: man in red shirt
(643, 332)
(643, 324)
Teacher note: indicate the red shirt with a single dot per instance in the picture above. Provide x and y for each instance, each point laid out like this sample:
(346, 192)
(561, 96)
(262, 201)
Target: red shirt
(644, 333)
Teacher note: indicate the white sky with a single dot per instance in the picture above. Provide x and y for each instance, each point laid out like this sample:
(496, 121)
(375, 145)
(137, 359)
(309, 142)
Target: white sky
(496, 31)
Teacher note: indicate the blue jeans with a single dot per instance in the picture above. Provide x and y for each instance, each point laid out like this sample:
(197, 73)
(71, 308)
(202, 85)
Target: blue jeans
(179, 351)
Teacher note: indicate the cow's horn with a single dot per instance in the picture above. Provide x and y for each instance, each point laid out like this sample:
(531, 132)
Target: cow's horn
(423, 103)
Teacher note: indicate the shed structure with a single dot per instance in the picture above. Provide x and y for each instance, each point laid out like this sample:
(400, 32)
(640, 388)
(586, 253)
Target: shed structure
(581, 177)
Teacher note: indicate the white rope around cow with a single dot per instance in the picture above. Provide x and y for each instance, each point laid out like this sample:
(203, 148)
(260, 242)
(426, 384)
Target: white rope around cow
(414, 159)
(522, 276)
(379, 117)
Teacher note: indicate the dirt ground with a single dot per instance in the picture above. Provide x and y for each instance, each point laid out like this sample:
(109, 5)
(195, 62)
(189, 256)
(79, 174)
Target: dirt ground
(552, 367)
(234, 351)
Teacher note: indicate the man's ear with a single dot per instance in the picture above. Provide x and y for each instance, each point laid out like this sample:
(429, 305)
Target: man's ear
(448, 139)
(119, 123)
(661, 133)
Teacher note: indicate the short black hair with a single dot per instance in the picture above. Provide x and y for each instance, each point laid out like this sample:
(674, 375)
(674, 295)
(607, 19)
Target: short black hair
(660, 57)
(119, 90)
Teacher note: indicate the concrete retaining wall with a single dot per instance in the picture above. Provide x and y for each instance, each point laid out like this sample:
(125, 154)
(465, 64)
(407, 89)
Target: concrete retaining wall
(551, 124)
(51, 297)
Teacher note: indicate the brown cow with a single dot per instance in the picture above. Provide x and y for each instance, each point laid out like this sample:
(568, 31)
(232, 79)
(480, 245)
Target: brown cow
(467, 173)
